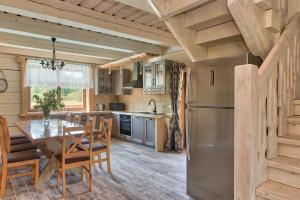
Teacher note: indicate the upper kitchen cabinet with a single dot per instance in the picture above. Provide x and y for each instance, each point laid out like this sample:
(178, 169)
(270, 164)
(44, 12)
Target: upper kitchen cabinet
(122, 78)
(104, 82)
(155, 77)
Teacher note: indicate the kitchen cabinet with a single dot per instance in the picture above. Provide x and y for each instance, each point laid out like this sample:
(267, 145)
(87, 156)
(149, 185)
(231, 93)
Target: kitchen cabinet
(143, 130)
(116, 125)
(104, 82)
(121, 78)
(155, 77)
(137, 130)
(149, 127)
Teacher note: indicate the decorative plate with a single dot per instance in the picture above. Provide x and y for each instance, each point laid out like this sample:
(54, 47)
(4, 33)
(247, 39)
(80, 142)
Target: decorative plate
(3, 85)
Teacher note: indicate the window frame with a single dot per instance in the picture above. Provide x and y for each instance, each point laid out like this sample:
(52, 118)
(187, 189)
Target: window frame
(75, 108)
(88, 95)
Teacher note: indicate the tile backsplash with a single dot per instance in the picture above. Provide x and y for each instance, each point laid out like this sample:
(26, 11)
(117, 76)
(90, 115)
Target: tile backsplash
(137, 101)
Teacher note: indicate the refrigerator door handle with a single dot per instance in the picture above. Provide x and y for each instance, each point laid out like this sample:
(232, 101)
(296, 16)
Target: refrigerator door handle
(187, 115)
(188, 127)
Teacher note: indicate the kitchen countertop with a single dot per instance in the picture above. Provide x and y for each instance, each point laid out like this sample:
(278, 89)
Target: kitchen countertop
(132, 113)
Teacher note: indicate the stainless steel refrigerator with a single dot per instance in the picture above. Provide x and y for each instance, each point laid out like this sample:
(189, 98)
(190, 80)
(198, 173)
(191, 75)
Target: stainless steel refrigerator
(209, 127)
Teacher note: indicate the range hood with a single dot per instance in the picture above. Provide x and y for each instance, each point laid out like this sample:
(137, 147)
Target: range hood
(137, 81)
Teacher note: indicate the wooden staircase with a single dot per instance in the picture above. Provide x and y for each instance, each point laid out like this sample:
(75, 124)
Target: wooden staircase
(208, 29)
(267, 138)
(283, 172)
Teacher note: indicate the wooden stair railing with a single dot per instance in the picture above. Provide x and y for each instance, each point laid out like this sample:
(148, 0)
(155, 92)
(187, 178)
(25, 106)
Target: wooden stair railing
(263, 101)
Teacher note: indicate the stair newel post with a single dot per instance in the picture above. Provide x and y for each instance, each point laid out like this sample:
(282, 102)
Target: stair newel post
(245, 132)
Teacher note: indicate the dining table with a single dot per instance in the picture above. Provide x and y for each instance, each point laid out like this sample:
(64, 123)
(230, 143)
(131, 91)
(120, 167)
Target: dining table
(48, 137)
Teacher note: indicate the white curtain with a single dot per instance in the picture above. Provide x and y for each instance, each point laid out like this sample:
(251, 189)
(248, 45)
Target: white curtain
(76, 76)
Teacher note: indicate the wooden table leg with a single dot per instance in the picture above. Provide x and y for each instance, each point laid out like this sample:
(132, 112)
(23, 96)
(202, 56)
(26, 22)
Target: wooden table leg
(50, 149)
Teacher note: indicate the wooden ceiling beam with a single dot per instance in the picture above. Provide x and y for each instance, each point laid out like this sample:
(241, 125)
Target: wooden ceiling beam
(87, 19)
(41, 53)
(126, 61)
(38, 43)
(26, 24)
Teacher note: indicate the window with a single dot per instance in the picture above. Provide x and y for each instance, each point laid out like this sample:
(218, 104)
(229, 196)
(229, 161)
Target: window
(74, 99)
(73, 81)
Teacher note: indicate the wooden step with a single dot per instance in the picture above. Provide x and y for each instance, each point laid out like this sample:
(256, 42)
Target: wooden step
(285, 170)
(209, 15)
(289, 146)
(271, 190)
(297, 107)
(293, 125)
(220, 34)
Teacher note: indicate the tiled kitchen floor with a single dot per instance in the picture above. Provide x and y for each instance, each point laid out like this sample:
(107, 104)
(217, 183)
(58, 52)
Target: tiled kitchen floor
(138, 173)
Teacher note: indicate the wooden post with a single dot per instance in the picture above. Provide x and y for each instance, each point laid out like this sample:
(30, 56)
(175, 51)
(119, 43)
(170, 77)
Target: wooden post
(25, 91)
(245, 132)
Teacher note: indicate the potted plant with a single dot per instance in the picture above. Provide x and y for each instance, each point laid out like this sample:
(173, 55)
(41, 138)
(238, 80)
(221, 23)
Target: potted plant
(48, 102)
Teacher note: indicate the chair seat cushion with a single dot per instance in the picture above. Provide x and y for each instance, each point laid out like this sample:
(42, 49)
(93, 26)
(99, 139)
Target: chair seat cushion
(16, 136)
(22, 147)
(22, 156)
(72, 160)
(19, 141)
(96, 146)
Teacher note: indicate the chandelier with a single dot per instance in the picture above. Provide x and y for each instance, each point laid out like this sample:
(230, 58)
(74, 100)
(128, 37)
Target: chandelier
(53, 63)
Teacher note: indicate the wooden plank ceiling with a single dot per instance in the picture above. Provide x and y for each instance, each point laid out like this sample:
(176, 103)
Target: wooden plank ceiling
(123, 11)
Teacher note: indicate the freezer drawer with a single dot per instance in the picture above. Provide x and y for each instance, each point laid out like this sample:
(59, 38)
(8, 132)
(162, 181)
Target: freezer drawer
(211, 155)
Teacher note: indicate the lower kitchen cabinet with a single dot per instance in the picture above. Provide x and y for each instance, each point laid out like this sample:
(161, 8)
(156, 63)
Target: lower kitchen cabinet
(149, 127)
(137, 130)
(143, 130)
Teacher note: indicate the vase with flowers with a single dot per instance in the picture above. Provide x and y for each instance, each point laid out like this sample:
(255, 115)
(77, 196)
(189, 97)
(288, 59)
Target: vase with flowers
(48, 102)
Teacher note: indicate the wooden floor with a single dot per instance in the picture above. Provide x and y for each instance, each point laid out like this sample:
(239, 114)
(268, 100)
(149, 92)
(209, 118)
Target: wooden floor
(138, 173)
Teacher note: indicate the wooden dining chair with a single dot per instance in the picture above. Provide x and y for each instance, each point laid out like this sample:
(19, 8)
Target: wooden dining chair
(76, 119)
(17, 144)
(71, 156)
(16, 160)
(102, 143)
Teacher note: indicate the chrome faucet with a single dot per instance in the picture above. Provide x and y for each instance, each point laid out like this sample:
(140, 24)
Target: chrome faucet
(152, 100)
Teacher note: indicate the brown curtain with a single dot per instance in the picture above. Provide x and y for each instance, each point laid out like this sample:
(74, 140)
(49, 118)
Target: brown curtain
(175, 135)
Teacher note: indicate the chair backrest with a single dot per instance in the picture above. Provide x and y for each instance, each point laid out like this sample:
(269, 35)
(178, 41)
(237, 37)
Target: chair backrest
(91, 120)
(72, 146)
(76, 119)
(105, 127)
(68, 117)
(6, 138)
